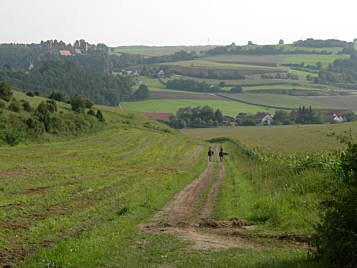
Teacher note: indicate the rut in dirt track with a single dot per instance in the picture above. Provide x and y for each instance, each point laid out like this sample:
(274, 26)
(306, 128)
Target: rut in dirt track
(184, 204)
(187, 216)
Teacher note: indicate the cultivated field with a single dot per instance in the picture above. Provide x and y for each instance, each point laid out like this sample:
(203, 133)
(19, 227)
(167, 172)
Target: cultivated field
(242, 68)
(291, 138)
(346, 102)
(280, 100)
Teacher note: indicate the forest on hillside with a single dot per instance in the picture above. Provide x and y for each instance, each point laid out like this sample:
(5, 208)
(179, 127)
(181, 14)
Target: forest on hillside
(70, 79)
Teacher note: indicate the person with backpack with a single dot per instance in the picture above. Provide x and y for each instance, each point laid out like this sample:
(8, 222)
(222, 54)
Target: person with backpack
(221, 154)
(210, 153)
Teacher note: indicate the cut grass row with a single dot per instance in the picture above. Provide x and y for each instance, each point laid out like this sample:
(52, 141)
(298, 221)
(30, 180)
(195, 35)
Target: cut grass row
(69, 191)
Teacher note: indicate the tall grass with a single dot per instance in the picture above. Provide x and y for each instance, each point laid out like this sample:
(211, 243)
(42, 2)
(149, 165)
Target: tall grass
(272, 194)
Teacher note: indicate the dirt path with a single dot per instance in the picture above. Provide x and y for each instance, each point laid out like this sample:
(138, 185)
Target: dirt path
(187, 214)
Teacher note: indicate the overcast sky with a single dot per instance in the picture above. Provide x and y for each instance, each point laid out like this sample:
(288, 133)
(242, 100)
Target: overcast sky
(176, 22)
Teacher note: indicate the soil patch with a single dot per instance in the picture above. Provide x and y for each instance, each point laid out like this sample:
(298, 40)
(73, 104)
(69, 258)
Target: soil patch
(9, 172)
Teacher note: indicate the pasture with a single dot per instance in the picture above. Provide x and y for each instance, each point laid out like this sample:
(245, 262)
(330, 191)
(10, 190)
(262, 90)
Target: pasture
(230, 108)
(291, 138)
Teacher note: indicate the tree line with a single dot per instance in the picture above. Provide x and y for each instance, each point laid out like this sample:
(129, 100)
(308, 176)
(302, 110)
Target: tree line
(196, 117)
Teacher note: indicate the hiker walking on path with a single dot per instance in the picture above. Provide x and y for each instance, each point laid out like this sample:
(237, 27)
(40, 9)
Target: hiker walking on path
(210, 153)
(221, 154)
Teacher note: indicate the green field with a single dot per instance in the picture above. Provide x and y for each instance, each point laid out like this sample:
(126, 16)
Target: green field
(313, 59)
(291, 138)
(171, 106)
(303, 73)
(151, 82)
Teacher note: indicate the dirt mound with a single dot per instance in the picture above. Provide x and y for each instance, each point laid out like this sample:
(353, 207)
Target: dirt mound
(233, 223)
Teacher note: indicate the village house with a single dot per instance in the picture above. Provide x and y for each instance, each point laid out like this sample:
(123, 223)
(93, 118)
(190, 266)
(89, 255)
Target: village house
(65, 53)
(333, 116)
(161, 73)
(267, 120)
(264, 118)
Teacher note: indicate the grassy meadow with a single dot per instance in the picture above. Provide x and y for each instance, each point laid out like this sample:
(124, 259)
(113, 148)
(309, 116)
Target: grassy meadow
(271, 194)
(290, 138)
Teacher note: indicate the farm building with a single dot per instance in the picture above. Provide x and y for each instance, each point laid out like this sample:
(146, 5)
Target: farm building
(160, 116)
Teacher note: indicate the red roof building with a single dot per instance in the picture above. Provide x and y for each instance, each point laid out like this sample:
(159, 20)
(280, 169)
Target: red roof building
(65, 53)
(162, 116)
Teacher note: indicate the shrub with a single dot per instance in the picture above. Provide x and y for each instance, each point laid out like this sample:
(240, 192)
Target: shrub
(51, 106)
(335, 237)
(88, 103)
(11, 136)
(30, 94)
(77, 103)
(100, 116)
(58, 96)
(91, 112)
(15, 106)
(5, 91)
(236, 89)
(26, 105)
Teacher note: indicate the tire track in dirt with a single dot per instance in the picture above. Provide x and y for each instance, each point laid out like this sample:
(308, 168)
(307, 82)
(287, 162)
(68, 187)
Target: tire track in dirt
(174, 217)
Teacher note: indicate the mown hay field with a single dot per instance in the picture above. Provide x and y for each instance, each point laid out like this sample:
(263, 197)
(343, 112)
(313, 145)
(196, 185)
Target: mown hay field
(291, 138)
(72, 195)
